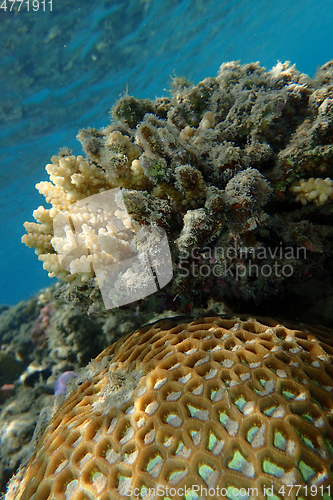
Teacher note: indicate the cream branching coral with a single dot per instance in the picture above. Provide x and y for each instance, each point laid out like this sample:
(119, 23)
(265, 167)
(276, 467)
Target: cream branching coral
(223, 405)
(96, 233)
(95, 237)
(318, 191)
(71, 179)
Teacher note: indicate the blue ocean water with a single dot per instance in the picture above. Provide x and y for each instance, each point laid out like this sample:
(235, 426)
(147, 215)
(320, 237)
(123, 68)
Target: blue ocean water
(62, 70)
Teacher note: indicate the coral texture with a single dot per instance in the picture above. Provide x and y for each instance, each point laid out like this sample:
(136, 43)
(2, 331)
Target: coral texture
(213, 403)
(73, 338)
(318, 190)
(38, 332)
(225, 168)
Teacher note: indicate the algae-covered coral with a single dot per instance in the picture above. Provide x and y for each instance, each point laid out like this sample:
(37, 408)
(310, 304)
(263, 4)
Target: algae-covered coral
(220, 166)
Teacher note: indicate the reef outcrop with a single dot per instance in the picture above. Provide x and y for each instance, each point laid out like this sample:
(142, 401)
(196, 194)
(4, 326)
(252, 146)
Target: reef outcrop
(237, 170)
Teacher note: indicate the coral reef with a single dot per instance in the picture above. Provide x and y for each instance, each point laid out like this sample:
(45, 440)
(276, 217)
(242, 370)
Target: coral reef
(41, 325)
(216, 403)
(237, 170)
(28, 373)
(226, 167)
(30, 376)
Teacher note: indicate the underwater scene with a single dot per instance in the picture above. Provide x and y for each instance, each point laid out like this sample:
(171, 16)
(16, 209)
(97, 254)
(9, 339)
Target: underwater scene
(166, 308)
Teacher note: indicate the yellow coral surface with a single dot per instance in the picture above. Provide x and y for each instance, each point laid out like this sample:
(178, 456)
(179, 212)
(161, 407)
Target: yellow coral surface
(199, 409)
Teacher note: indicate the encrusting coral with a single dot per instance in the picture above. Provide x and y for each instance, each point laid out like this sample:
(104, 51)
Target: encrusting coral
(213, 408)
(222, 167)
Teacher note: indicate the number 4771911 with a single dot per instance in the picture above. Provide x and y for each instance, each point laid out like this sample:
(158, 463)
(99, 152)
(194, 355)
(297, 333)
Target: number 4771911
(17, 5)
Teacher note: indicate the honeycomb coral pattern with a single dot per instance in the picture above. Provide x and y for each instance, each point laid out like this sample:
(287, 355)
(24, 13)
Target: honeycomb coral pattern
(216, 404)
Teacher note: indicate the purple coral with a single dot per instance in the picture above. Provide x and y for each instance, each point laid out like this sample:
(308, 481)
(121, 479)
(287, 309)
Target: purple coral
(60, 386)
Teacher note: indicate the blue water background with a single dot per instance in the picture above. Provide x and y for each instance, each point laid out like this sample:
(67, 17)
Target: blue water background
(63, 72)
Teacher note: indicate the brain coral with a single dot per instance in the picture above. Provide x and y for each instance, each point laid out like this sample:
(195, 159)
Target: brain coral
(214, 403)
